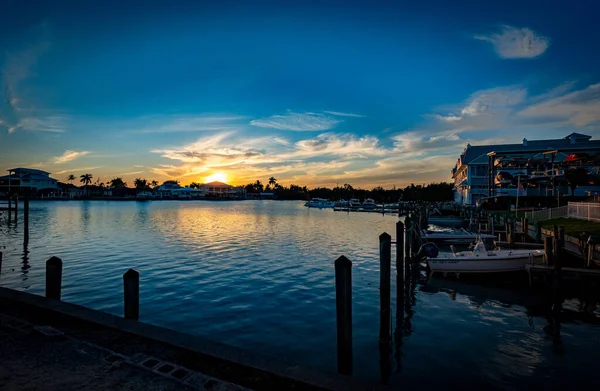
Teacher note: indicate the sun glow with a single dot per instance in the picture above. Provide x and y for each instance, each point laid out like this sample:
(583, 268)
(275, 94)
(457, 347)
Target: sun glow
(217, 177)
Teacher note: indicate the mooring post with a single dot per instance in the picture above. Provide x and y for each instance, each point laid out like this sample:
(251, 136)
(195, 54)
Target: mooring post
(538, 230)
(385, 260)
(343, 304)
(408, 238)
(526, 226)
(131, 294)
(548, 251)
(556, 246)
(54, 278)
(561, 237)
(16, 206)
(400, 248)
(589, 255)
(26, 219)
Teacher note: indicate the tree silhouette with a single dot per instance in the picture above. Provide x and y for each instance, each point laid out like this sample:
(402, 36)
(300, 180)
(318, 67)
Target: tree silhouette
(86, 179)
(577, 177)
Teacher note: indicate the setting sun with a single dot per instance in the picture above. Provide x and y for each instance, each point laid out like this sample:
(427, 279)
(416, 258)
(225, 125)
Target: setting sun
(217, 177)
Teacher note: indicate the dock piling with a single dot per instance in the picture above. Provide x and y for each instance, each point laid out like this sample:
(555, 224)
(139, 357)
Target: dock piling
(26, 219)
(54, 278)
(131, 294)
(548, 250)
(385, 255)
(408, 237)
(343, 304)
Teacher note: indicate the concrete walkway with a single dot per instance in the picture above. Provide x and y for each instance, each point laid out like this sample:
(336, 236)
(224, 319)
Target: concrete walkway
(43, 358)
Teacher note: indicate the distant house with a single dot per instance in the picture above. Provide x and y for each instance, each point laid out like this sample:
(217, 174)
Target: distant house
(172, 189)
(69, 190)
(28, 180)
(223, 190)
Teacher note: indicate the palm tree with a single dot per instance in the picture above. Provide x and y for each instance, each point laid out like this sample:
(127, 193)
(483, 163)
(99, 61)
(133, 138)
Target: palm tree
(140, 183)
(154, 183)
(195, 185)
(272, 181)
(117, 182)
(258, 186)
(86, 179)
(71, 178)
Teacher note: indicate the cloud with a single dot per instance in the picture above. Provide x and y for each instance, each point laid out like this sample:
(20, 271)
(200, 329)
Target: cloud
(17, 67)
(579, 108)
(484, 108)
(306, 122)
(79, 169)
(68, 156)
(347, 145)
(178, 123)
(513, 42)
(340, 114)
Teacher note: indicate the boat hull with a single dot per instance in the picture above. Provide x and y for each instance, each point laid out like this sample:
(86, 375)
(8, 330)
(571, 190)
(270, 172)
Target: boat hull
(446, 221)
(452, 264)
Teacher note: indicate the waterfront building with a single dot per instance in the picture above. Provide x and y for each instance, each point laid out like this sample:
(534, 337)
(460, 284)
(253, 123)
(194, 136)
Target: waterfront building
(535, 168)
(223, 190)
(28, 180)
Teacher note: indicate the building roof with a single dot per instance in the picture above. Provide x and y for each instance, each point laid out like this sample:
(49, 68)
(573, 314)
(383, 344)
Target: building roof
(28, 171)
(36, 177)
(472, 153)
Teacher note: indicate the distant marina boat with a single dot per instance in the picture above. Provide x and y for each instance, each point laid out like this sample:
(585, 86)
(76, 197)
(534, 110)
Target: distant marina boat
(369, 204)
(319, 203)
(481, 260)
(144, 196)
(355, 203)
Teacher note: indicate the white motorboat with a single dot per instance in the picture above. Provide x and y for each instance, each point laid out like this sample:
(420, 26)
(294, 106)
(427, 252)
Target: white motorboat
(355, 203)
(459, 236)
(447, 221)
(319, 203)
(481, 260)
(369, 204)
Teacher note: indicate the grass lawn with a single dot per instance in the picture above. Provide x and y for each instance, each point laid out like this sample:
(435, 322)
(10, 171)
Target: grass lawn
(573, 227)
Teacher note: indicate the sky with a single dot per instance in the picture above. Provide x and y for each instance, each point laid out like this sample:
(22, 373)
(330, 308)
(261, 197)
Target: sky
(315, 93)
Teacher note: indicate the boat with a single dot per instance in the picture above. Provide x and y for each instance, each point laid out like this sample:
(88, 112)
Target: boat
(341, 204)
(355, 203)
(459, 236)
(369, 204)
(482, 260)
(319, 203)
(447, 221)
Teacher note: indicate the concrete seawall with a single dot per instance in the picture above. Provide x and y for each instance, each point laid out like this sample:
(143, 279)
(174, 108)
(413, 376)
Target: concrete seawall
(215, 359)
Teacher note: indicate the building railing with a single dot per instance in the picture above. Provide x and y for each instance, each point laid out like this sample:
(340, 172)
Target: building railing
(584, 210)
(548, 214)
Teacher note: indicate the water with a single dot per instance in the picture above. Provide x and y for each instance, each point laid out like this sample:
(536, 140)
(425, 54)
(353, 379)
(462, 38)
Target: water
(259, 275)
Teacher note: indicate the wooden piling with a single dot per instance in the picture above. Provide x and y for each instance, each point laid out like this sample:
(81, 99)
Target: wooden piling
(131, 294)
(548, 251)
(408, 241)
(400, 248)
(16, 206)
(589, 255)
(556, 243)
(26, 219)
(526, 226)
(343, 303)
(385, 259)
(54, 278)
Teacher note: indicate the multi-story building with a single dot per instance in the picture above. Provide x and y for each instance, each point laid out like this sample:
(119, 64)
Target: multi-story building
(28, 180)
(532, 168)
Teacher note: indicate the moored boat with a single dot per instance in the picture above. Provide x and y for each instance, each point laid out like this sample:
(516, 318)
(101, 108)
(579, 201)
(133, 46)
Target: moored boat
(481, 260)
(460, 236)
(319, 203)
(369, 204)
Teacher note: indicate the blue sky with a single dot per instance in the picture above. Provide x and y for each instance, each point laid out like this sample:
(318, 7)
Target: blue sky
(313, 93)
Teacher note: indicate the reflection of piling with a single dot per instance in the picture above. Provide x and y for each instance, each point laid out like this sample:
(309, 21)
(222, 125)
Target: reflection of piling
(131, 294)
(53, 278)
(343, 302)
(385, 255)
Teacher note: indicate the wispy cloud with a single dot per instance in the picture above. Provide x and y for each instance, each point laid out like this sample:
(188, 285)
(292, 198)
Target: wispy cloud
(76, 170)
(340, 114)
(198, 123)
(512, 42)
(17, 67)
(68, 156)
(579, 108)
(299, 122)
